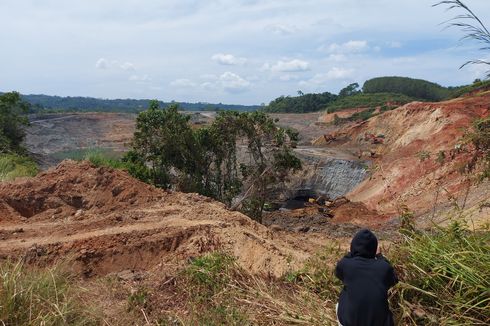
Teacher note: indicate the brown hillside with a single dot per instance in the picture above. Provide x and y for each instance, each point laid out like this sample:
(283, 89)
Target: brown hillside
(108, 222)
(405, 168)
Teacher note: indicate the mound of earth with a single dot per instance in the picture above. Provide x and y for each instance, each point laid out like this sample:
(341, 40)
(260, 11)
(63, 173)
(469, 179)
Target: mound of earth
(105, 221)
(416, 162)
(72, 189)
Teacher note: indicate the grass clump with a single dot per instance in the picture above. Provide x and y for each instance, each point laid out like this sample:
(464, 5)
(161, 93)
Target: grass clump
(13, 166)
(445, 277)
(100, 158)
(40, 297)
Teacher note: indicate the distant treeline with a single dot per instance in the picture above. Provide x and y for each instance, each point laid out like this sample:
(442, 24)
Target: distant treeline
(43, 103)
(375, 92)
(301, 104)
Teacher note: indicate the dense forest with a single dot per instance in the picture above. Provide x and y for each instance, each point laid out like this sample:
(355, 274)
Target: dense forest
(376, 92)
(70, 104)
(301, 104)
(416, 88)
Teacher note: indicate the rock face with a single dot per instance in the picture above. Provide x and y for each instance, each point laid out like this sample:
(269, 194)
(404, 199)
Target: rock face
(330, 177)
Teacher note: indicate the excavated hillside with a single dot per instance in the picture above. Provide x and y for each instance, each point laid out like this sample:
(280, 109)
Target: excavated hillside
(106, 221)
(417, 151)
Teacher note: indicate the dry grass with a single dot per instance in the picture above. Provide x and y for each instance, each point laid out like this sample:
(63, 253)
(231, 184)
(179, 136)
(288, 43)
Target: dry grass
(30, 296)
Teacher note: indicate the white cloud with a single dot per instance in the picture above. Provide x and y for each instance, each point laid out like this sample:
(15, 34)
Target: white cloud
(333, 74)
(347, 47)
(337, 57)
(288, 77)
(294, 65)
(228, 82)
(127, 66)
(102, 63)
(233, 83)
(394, 44)
(282, 29)
(183, 82)
(140, 78)
(228, 59)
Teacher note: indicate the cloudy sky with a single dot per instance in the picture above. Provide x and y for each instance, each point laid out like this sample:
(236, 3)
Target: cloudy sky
(230, 51)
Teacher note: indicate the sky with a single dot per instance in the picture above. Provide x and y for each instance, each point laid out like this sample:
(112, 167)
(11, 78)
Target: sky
(228, 51)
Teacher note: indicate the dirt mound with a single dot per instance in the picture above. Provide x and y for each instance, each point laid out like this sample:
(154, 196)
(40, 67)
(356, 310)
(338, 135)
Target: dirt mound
(106, 221)
(72, 189)
(420, 154)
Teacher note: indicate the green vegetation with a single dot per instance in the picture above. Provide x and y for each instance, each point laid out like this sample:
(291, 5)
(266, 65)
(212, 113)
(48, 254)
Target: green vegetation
(479, 138)
(84, 153)
(13, 166)
(445, 277)
(477, 86)
(300, 104)
(423, 155)
(414, 88)
(46, 103)
(214, 290)
(169, 153)
(362, 100)
(30, 296)
(13, 120)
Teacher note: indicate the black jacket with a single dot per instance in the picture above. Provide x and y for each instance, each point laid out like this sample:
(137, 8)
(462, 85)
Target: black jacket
(366, 278)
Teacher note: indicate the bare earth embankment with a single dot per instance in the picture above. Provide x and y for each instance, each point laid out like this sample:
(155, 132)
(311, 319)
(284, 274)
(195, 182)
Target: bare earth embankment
(108, 222)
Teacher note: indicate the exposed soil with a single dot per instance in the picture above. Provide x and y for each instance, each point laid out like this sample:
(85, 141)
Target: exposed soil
(338, 219)
(108, 222)
(405, 169)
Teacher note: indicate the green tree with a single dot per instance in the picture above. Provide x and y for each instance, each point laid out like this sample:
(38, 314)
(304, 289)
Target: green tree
(168, 152)
(13, 121)
(350, 90)
(163, 140)
(270, 163)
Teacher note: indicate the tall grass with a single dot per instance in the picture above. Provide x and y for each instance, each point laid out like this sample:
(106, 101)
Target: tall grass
(40, 297)
(101, 158)
(13, 166)
(445, 277)
(215, 290)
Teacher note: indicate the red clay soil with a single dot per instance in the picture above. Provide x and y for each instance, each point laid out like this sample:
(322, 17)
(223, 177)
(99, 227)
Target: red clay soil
(105, 221)
(402, 172)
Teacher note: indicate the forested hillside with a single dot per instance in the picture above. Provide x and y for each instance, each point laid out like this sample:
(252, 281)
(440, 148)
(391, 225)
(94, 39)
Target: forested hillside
(376, 92)
(417, 88)
(85, 104)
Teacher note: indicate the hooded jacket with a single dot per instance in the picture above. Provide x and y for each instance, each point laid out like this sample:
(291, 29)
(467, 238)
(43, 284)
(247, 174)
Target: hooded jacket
(366, 278)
